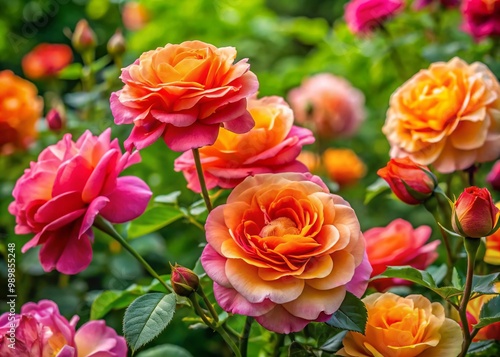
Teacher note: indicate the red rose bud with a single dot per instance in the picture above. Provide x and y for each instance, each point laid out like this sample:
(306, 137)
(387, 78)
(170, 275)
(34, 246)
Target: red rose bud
(116, 44)
(54, 120)
(474, 213)
(84, 37)
(411, 183)
(184, 281)
(493, 177)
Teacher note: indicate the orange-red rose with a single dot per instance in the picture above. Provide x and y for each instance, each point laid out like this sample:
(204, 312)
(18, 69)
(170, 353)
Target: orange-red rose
(184, 93)
(20, 109)
(46, 60)
(343, 166)
(409, 326)
(446, 116)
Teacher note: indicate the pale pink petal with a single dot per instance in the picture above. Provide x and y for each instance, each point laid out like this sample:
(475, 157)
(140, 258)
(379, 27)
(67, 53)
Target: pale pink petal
(214, 265)
(313, 302)
(95, 339)
(281, 321)
(231, 301)
(359, 282)
(191, 137)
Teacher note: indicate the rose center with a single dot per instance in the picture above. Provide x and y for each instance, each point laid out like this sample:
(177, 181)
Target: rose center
(279, 227)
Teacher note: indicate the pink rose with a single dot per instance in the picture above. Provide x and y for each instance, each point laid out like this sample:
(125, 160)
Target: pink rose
(398, 244)
(41, 331)
(285, 251)
(362, 16)
(271, 146)
(328, 104)
(481, 18)
(493, 177)
(184, 93)
(60, 195)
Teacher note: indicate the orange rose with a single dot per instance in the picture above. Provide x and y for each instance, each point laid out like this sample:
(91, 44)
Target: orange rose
(20, 109)
(489, 332)
(134, 16)
(409, 326)
(446, 116)
(46, 60)
(343, 166)
(272, 145)
(311, 160)
(184, 93)
(492, 255)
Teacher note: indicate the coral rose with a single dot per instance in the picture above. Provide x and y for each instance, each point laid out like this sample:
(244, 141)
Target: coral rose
(46, 60)
(363, 16)
(474, 214)
(398, 244)
(285, 251)
(41, 331)
(481, 18)
(493, 177)
(447, 116)
(271, 146)
(20, 109)
(61, 194)
(343, 166)
(135, 16)
(184, 93)
(492, 254)
(328, 104)
(409, 326)
(410, 182)
(489, 332)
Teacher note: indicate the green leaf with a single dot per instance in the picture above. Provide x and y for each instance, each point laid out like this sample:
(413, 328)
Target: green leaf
(438, 273)
(166, 350)
(490, 313)
(113, 299)
(480, 346)
(102, 62)
(456, 279)
(409, 273)
(351, 315)
(171, 198)
(484, 284)
(147, 317)
(448, 291)
(72, 71)
(153, 219)
(333, 344)
(375, 189)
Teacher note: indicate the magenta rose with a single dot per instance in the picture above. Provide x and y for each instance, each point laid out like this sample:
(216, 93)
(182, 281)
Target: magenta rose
(272, 145)
(493, 177)
(41, 331)
(481, 18)
(60, 195)
(363, 16)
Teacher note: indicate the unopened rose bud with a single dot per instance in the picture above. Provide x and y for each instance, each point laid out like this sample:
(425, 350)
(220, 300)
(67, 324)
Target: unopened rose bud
(54, 120)
(83, 37)
(184, 281)
(474, 213)
(116, 44)
(411, 183)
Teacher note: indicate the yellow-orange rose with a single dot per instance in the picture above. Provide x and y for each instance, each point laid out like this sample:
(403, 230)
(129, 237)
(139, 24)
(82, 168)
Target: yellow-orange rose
(311, 160)
(343, 166)
(447, 116)
(404, 326)
(492, 255)
(284, 250)
(489, 332)
(20, 109)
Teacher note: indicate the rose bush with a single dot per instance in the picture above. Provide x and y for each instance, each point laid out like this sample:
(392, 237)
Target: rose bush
(408, 326)
(60, 195)
(446, 116)
(285, 251)
(184, 93)
(272, 145)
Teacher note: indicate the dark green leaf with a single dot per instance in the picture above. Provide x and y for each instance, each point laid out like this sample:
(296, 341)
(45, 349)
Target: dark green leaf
(147, 317)
(480, 346)
(165, 350)
(490, 313)
(152, 220)
(438, 273)
(351, 315)
(333, 344)
(484, 284)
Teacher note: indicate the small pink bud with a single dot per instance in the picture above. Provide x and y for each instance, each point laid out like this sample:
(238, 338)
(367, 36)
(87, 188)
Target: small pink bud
(116, 44)
(54, 120)
(474, 213)
(184, 281)
(84, 37)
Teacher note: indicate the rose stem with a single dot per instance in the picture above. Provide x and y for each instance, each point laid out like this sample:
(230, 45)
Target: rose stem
(201, 178)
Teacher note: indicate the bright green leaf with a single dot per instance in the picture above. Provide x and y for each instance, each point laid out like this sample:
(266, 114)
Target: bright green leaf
(171, 198)
(113, 299)
(152, 220)
(351, 315)
(409, 273)
(375, 189)
(165, 350)
(147, 317)
(72, 71)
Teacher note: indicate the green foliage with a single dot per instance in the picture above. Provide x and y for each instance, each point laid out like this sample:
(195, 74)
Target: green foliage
(152, 220)
(351, 315)
(147, 317)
